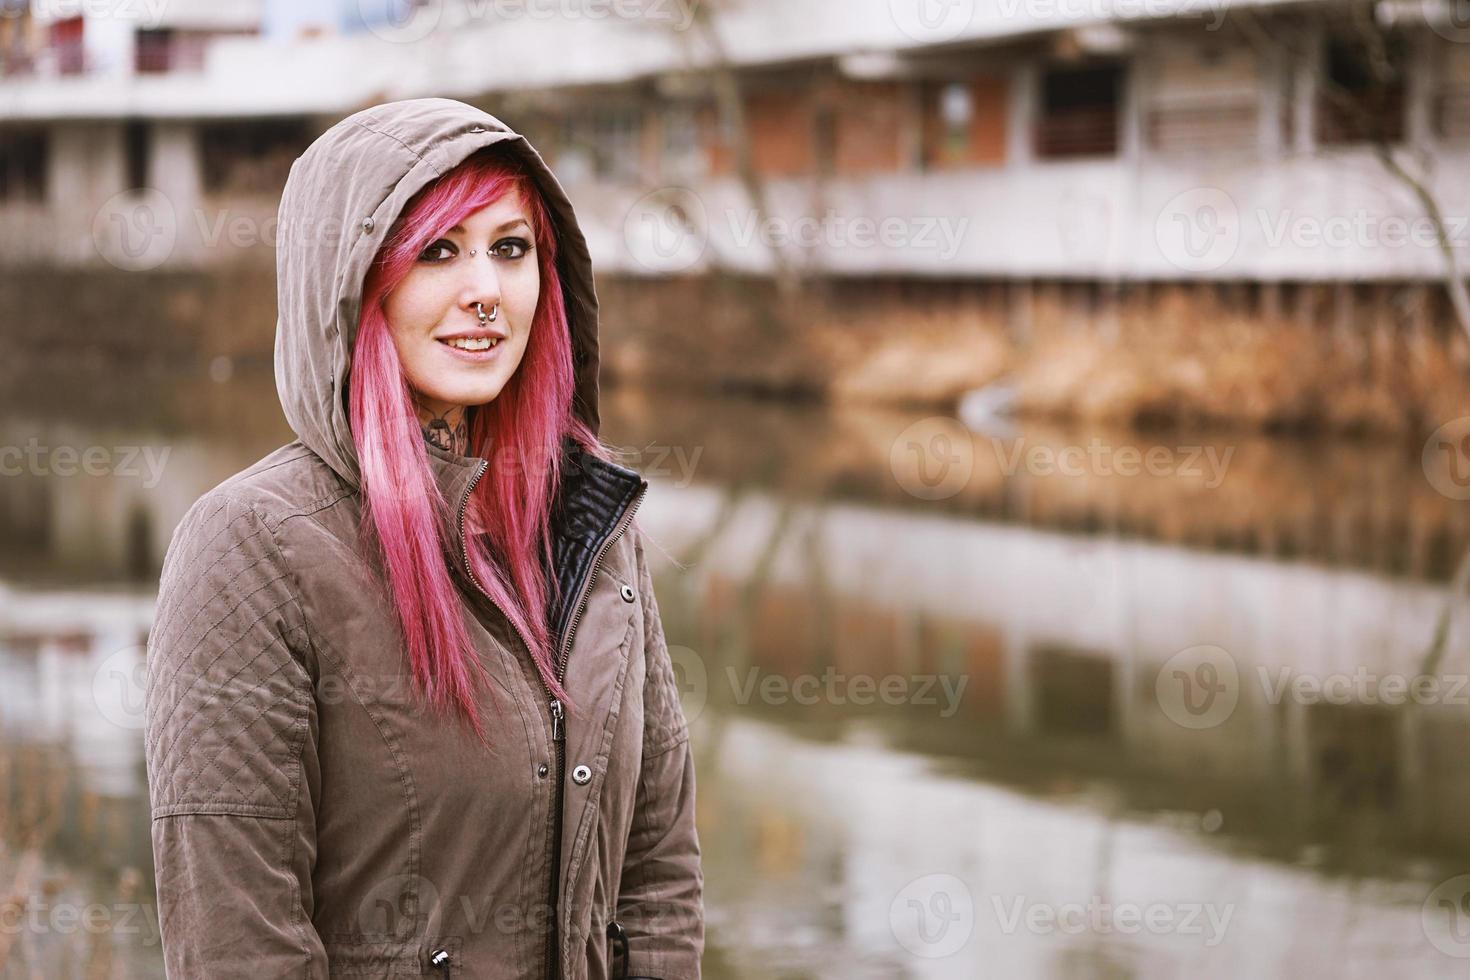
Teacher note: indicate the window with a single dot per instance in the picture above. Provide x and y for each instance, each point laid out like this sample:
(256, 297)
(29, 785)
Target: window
(153, 50)
(604, 142)
(964, 123)
(1079, 112)
(1359, 103)
(67, 43)
(23, 154)
(250, 156)
(683, 152)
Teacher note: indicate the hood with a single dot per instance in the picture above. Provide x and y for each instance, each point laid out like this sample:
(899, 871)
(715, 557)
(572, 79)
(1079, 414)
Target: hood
(341, 198)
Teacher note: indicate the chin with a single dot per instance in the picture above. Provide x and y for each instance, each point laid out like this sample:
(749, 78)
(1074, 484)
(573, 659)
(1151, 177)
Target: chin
(477, 395)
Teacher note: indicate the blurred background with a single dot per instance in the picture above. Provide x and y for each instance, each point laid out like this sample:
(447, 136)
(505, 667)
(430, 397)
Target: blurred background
(1061, 407)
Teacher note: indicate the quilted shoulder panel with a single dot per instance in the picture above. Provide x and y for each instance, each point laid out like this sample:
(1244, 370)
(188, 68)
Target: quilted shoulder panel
(228, 698)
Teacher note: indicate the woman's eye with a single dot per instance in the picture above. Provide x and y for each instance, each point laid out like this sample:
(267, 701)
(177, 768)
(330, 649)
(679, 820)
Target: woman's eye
(517, 247)
(432, 253)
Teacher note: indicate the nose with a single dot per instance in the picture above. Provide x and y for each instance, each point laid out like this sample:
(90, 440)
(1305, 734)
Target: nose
(480, 284)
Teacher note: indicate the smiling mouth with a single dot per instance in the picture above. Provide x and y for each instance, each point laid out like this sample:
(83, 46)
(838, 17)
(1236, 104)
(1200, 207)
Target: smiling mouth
(471, 344)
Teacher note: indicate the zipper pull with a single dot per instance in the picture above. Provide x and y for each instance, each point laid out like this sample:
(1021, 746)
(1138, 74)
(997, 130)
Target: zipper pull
(439, 960)
(558, 730)
(619, 937)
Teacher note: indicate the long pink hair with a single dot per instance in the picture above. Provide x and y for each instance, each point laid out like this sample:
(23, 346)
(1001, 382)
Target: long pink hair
(520, 433)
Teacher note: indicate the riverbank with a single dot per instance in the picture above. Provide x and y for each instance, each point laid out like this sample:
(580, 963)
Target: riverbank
(1361, 359)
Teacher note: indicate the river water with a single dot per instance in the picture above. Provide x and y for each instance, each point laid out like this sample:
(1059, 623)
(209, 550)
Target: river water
(1018, 701)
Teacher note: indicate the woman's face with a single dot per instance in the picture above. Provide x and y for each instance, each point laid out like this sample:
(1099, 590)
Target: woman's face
(436, 302)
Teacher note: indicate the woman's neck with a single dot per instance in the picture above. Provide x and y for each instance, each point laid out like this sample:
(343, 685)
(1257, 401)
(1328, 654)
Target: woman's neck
(448, 430)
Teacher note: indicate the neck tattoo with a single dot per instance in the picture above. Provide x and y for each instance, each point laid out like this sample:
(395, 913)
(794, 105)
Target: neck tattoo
(449, 431)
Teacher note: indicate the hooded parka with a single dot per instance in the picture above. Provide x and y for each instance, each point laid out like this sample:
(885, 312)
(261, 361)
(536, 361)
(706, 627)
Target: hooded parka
(310, 817)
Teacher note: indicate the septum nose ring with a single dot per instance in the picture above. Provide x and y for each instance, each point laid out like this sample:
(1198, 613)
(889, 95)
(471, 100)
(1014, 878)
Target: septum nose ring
(493, 314)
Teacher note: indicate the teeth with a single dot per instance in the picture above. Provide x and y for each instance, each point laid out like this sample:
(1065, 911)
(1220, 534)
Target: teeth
(466, 343)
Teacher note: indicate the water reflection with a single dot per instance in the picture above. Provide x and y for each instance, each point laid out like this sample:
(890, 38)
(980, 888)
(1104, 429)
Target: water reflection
(1146, 722)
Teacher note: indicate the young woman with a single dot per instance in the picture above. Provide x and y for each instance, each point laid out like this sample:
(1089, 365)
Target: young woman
(410, 712)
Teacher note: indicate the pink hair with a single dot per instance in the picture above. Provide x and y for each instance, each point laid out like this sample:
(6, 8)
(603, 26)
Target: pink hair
(403, 510)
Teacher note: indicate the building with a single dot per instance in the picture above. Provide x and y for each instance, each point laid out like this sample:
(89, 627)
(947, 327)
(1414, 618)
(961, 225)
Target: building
(1062, 152)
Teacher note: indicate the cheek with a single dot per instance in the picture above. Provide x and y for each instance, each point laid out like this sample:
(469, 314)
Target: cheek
(407, 309)
(526, 290)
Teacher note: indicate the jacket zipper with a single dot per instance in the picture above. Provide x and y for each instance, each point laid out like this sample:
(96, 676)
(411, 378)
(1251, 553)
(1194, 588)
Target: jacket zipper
(557, 709)
(440, 961)
(558, 730)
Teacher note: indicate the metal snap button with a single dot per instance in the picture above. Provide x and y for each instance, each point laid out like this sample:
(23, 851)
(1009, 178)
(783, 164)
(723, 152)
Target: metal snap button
(542, 770)
(368, 224)
(627, 593)
(581, 775)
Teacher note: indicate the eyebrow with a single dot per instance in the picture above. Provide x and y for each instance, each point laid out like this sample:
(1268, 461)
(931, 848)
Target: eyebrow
(503, 228)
